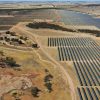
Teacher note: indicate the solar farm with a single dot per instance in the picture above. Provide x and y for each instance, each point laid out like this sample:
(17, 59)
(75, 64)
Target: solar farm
(84, 52)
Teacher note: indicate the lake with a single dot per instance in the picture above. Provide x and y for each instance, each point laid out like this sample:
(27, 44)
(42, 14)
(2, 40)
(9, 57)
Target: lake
(77, 18)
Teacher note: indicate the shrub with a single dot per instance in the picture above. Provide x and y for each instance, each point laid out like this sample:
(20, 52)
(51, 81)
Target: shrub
(8, 32)
(7, 39)
(23, 38)
(11, 62)
(20, 42)
(48, 80)
(48, 77)
(49, 25)
(13, 33)
(49, 86)
(46, 70)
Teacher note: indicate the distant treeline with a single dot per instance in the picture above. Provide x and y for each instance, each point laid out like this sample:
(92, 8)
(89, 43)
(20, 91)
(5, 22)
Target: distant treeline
(29, 9)
(91, 5)
(38, 25)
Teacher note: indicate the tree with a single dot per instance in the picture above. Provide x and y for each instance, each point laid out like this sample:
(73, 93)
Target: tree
(1, 38)
(13, 33)
(49, 86)
(35, 91)
(7, 39)
(23, 38)
(34, 45)
(10, 61)
(48, 78)
(8, 32)
(20, 42)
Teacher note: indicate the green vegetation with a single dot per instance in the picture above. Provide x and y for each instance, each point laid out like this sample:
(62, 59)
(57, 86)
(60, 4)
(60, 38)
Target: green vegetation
(16, 40)
(49, 86)
(11, 33)
(35, 91)
(12, 39)
(95, 32)
(7, 61)
(1, 38)
(48, 78)
(16, 96)
(11, 62)
(48, 81)
(23, 38)
(35, 45)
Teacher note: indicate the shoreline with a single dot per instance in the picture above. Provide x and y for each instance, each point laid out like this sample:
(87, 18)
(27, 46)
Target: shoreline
(82, 12)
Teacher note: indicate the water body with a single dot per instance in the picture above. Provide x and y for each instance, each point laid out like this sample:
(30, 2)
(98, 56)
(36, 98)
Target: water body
(77, 18)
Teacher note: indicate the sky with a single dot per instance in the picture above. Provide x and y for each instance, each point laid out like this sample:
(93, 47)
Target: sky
(49, 0)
